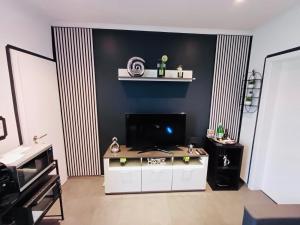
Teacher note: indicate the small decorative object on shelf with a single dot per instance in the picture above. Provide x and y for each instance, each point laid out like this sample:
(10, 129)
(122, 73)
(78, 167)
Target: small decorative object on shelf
(226, 161)
(190, 148)
(252, 93)
(114, 147)
(186, 159)
(251, 83)
(225, 136)
(156, 161)
(210, 133)
(161, 66)
(248, 100)
(136, 66)
(123, 161)
(180, 71)
(220, 131)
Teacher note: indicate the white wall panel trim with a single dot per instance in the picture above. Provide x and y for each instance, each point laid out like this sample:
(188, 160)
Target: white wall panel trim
(232, 56)
(76, 76)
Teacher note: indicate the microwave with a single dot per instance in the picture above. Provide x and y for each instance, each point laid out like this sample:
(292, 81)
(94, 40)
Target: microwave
(30, 164)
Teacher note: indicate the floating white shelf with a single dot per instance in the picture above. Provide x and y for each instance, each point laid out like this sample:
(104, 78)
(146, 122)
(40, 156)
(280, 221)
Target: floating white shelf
(156, 79)
(151, 75)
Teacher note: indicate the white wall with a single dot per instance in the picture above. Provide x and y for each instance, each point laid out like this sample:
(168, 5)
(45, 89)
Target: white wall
(277, 35)
(22, 27)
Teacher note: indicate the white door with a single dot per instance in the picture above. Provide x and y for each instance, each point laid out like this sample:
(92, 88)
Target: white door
(278, 134)
(38, 103)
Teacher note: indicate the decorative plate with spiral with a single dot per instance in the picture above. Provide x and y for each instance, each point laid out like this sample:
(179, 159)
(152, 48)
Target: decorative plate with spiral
(136, 66)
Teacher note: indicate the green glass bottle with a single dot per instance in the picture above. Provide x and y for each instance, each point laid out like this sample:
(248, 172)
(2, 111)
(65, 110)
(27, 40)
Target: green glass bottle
(161, 68)
(220, 131)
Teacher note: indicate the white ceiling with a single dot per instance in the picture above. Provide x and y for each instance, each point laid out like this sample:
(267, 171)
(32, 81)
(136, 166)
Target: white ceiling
(212, 14)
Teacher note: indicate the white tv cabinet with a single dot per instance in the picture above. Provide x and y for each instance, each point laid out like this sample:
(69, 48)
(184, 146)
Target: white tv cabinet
(138, 176)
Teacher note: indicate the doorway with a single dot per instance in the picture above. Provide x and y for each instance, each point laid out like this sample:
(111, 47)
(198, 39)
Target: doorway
(278, 129)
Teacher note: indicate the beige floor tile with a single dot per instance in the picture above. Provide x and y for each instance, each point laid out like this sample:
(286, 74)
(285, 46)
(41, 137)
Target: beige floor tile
(86, 204)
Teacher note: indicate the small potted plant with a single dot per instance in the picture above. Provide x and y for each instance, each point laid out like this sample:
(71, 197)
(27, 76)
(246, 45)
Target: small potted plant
(248, 100)
(179, 71)
(161, 66)
(251, 83)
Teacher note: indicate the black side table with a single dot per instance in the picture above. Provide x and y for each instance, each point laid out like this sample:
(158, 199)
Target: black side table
(224, 165)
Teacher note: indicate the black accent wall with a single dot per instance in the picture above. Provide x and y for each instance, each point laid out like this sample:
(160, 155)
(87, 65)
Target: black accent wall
(112, 50)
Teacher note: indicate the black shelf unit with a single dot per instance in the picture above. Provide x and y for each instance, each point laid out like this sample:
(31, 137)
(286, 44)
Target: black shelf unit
(35, 198)
(222, 177)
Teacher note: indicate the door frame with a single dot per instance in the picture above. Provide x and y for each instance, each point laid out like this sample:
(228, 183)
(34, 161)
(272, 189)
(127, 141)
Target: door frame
(12, 83)
(258, 107)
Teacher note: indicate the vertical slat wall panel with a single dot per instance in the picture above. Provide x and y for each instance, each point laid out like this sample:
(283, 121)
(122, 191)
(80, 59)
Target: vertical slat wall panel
(76, 76)
(230, 70)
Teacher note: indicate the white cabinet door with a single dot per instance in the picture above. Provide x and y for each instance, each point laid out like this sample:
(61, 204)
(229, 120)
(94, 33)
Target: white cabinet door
(190, 176)
(156, 178)
(122, 179)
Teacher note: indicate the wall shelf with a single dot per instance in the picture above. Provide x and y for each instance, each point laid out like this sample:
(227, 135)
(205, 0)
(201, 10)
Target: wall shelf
(151, 75)
(156, 79)
(252, 92)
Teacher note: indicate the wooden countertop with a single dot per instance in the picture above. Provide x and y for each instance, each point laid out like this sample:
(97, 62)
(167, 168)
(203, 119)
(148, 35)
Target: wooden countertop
(128, 153)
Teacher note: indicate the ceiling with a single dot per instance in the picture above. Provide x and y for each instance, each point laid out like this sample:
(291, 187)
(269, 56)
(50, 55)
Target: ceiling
(212, 14)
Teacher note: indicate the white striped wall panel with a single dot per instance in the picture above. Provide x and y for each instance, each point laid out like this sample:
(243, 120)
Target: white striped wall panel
(232, 55)
(76, 76)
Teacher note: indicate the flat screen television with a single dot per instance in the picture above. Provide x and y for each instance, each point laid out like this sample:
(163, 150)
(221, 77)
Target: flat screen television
(144, 131)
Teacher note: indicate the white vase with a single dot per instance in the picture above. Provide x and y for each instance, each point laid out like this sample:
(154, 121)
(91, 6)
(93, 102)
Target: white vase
(248, 102)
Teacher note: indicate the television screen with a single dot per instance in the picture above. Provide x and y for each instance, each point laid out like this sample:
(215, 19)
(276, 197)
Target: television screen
(155, 130)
